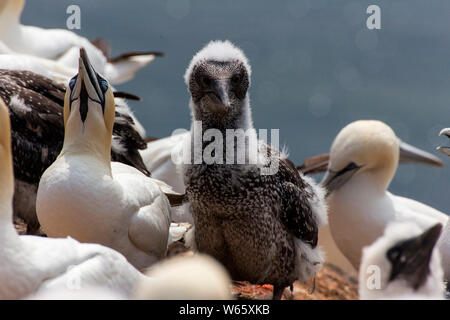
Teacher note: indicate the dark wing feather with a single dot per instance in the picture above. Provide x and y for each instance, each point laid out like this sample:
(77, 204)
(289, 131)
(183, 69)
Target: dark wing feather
(36, 108)
(316, 164)
(103, 45)
(296, 213)
(36, 120)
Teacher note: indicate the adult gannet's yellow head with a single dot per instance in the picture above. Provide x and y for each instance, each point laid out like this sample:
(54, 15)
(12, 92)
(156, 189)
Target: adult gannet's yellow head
(88, 111)
(6, 167)
(370, 147)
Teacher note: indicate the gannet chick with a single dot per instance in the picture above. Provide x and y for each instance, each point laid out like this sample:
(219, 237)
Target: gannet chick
(197, 277)
(36, 106)
(262, 227)
(404, 263)
(162, 156)
(363, 160)
(30, 263)
(63, 45)
(86, 196)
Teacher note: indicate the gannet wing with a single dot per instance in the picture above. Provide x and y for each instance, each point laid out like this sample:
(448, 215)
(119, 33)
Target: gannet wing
(35, 106)
(297, 207)
(149, 227)
(150, 222)
(123, 68)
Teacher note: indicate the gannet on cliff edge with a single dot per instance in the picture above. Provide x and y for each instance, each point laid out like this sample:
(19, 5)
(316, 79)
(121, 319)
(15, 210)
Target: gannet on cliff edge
(85, 195)
(404, 263)
(363, 160)
(263, 228)
(29, 263)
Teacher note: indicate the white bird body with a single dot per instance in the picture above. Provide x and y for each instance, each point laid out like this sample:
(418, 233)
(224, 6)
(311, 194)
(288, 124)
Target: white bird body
(360, 214)
(444, 242)
(162, 158)
(86, 196)
(444, 249)
(47, 68)
(126, 211)
(185, 277)
(88, 293)
(403, 263)
(61, 45)
(158, 158)
(363, 161)
(29, 263)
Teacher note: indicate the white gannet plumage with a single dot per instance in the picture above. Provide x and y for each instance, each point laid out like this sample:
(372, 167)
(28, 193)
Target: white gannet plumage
(185, 277)
(363, 160)
(444, 242)
(36, 106)
(30, 263)
(85, 195)
(403, 264)
(45, 67)
(63, 45)
(162, 157)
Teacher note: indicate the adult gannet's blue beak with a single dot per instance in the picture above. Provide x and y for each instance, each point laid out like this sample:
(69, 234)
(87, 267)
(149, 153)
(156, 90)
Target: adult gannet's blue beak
(409, 153)
(87, 86)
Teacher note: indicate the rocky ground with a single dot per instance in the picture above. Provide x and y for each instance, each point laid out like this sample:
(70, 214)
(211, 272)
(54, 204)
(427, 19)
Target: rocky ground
(331, 283)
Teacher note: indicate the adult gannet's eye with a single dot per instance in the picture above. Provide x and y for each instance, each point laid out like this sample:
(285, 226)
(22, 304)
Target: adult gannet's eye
(72, 82)
(103, 84)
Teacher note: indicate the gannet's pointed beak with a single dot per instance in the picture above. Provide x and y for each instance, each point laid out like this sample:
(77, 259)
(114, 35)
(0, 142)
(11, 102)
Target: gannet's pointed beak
(410, 259)
(409, 153)
(444, 150)
(87, 73)
(333, 180)
(85, 86)
(221, 90)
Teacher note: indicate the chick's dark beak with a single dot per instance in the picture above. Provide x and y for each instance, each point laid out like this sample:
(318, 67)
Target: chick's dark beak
(221, 89)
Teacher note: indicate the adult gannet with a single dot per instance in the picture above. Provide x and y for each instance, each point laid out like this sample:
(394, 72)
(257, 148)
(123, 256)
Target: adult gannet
(402, 264)
(444, 241)
(263, 228)
(36, 107)
(30, 263)
(85, 195)
(363, 160)
(196, 277)
(63, 45)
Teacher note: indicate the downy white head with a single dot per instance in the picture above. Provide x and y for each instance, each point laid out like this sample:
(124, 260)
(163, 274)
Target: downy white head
(218, 79)
(88, 113)
(402, 264)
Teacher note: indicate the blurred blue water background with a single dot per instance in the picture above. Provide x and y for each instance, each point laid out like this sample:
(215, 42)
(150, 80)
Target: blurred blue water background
(316, 67)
